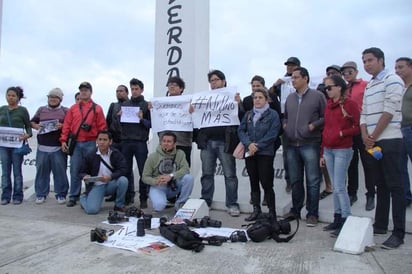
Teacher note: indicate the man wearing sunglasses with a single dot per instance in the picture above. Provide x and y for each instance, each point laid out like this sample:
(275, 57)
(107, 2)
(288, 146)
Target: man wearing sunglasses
(355, 91)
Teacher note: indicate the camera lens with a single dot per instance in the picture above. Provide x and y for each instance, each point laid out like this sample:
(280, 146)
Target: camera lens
(147, 221)
(140, 228)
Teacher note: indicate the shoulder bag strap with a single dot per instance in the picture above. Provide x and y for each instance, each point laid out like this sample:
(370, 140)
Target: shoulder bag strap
(85, 117)
(106, 164)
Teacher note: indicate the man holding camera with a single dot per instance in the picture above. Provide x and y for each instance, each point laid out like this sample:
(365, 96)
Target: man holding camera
(104, 171)
(167, 172)
(83, 120)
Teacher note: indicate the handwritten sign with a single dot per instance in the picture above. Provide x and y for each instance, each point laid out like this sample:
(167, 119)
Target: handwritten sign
(285, 89)
(130, 115)
(10, 137)
(215, 108)
(171, 113)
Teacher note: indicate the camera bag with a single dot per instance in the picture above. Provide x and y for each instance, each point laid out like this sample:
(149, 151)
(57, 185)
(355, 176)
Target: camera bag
(182, 236)
(266, 228)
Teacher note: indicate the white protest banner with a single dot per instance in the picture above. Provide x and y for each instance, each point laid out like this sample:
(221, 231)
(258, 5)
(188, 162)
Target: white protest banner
(285, 89)
(130, 115)
(10, 137)
(215, 108)
(171, 113)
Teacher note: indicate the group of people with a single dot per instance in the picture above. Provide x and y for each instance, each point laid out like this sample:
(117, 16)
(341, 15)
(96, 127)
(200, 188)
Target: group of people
(322, 131)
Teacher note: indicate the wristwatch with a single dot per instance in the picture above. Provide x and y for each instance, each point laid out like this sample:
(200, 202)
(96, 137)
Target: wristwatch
(171, 175)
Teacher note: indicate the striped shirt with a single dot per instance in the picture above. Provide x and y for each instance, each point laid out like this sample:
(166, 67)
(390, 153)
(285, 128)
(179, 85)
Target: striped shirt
(383, 94)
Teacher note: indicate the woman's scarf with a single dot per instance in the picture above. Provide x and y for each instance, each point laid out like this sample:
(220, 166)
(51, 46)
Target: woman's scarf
(258, 112)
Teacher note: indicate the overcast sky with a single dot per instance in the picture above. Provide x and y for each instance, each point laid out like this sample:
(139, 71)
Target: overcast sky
(49, 43)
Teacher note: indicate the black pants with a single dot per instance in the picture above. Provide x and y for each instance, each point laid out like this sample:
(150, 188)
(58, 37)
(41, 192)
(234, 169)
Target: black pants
(386, 173)
(260, 169)
(353, 171)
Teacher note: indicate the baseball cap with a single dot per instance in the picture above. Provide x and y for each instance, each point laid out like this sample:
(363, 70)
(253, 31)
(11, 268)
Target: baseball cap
(334, 67)
(85, 85)
(349, 64)
(293, 60)
(56, 92)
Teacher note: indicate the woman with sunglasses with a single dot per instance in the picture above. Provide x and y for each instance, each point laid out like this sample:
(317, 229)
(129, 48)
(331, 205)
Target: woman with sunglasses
(341, 124)
(16, 116)
(257, 132)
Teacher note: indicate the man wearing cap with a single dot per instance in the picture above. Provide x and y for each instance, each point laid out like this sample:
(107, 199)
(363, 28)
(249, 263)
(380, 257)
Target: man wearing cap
(48, 120)
(85, 119)
(282, 88)
(355, 90)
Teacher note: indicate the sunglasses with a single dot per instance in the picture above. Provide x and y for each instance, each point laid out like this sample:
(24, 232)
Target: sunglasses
(329, 88)
(348, 72)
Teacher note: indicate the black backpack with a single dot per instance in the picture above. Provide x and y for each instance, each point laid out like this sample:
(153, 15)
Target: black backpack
(266, 228)
(182, 236)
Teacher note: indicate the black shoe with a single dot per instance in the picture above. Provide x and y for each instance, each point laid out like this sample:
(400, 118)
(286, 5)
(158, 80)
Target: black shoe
(111, 198)
(143, 204)
(71, 203)
(335, 233)
(370, 203)
(353, 199)
(392, 242)
(379, 231)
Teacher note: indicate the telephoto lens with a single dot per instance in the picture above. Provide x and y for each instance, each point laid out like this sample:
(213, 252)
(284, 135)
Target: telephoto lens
(140, 228)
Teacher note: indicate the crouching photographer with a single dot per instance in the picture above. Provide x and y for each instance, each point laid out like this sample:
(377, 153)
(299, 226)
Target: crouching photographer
(167, 172)
(104, 172)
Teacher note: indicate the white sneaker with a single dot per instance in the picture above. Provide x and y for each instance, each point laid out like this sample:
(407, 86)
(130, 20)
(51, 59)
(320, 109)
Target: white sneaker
(40, 200)
(61, 200)
(234, 211)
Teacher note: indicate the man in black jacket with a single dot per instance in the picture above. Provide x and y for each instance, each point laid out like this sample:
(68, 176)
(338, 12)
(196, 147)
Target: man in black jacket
(104, 172)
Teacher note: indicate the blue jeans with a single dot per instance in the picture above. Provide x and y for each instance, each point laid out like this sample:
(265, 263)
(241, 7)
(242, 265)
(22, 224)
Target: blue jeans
(76, 160)
(92, 202)
(159, 194)
(138, 150)
(10, 159)
(337, 163)
(406, 151)
(47, 162)
(302, 160)
(215, 150)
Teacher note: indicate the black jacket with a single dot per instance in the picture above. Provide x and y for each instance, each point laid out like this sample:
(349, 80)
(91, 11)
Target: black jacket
(91, 164)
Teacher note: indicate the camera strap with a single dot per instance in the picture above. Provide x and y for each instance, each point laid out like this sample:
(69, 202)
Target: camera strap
(85, 117)
(106, 164)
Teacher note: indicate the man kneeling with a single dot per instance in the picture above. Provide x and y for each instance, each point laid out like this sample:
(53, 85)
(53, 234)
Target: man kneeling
(104, 172)
(167, 172)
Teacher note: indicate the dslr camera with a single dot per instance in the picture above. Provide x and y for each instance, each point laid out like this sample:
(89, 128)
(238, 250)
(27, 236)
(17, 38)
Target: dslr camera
(115, 218)
(204, 222)
(86, 127)
(99, 235)
(172, 184)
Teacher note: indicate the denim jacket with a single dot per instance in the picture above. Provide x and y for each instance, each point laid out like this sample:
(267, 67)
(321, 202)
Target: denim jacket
(264, 132)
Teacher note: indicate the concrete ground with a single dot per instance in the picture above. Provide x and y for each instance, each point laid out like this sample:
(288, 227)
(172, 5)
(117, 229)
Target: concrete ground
(52, 238)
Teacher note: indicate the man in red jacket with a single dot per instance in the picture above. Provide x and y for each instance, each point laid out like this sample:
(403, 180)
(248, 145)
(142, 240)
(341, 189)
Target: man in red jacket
(85, 119)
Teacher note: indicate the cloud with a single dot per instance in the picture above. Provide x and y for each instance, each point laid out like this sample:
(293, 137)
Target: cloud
(62, 43)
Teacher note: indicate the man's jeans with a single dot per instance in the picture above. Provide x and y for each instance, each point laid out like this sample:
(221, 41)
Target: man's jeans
(337, 163)
(47, 162)
(213, 151)
(302, 160)
(138, 150)
(159, 194)
(76, 160)
(92, 202)
(406, 151)
(10, 159)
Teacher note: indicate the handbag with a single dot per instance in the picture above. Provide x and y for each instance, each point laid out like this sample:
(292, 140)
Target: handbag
(71, 143)
(239, 152)
(24, 149)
